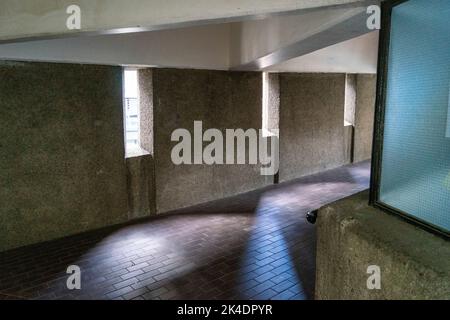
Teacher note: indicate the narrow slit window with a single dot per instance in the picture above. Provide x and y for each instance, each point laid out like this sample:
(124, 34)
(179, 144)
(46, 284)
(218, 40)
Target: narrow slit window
(265, 105)
(131, 110)
(350, 100)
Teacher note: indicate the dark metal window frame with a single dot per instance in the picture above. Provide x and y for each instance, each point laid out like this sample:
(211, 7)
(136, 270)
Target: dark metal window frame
(378, 137)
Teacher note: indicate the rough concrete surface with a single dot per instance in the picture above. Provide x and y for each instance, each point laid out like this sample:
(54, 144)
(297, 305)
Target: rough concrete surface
(348, 143)
(273, 114)
(312, 137)
(364, 116)
(145, 82)
(222, 100)
(351, 236)
(62, 168)
(141, 192)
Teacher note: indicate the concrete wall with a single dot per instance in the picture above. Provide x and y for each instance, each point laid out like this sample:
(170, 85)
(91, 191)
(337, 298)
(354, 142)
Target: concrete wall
(364, 116)
(312, 136)
(351, 236)
(141, 186)
(62, 167)
(273, 103)
(145, 82)
(221, 100)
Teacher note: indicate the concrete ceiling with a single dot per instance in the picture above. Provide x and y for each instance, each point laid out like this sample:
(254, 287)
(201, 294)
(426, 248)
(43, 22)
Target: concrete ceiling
(313, 40)
(202, 47)
(28, 19)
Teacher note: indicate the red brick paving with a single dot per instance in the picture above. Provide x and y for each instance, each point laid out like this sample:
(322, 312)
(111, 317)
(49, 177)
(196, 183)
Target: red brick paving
(253, 246)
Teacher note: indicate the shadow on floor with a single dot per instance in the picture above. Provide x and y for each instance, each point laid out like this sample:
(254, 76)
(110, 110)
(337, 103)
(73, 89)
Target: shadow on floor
(253, 246)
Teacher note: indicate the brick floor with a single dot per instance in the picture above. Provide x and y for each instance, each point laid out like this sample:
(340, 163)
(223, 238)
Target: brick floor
(253, 246)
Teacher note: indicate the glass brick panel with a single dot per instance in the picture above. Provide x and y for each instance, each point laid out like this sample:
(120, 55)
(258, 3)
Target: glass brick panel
(415, 167)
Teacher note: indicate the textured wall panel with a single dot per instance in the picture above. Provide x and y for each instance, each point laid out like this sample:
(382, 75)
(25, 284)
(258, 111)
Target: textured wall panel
(222, 100)
(62, 167)
(364, 116)
(312, 136)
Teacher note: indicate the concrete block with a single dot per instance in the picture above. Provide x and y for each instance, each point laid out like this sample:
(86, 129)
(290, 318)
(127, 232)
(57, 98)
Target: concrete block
(351, 236)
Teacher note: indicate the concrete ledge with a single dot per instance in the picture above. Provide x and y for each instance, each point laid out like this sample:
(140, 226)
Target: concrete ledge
(351, 236)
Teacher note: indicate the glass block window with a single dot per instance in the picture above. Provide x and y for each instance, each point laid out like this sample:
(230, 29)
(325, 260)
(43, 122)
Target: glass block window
(413, 169)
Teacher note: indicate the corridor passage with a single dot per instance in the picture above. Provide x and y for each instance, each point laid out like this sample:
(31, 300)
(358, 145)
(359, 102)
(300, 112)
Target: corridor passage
(254, 246)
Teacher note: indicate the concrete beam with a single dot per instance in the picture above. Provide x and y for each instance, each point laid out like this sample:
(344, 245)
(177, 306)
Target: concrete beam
(357, 55)
(202, 47)
(30, 19)
(296, 36)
